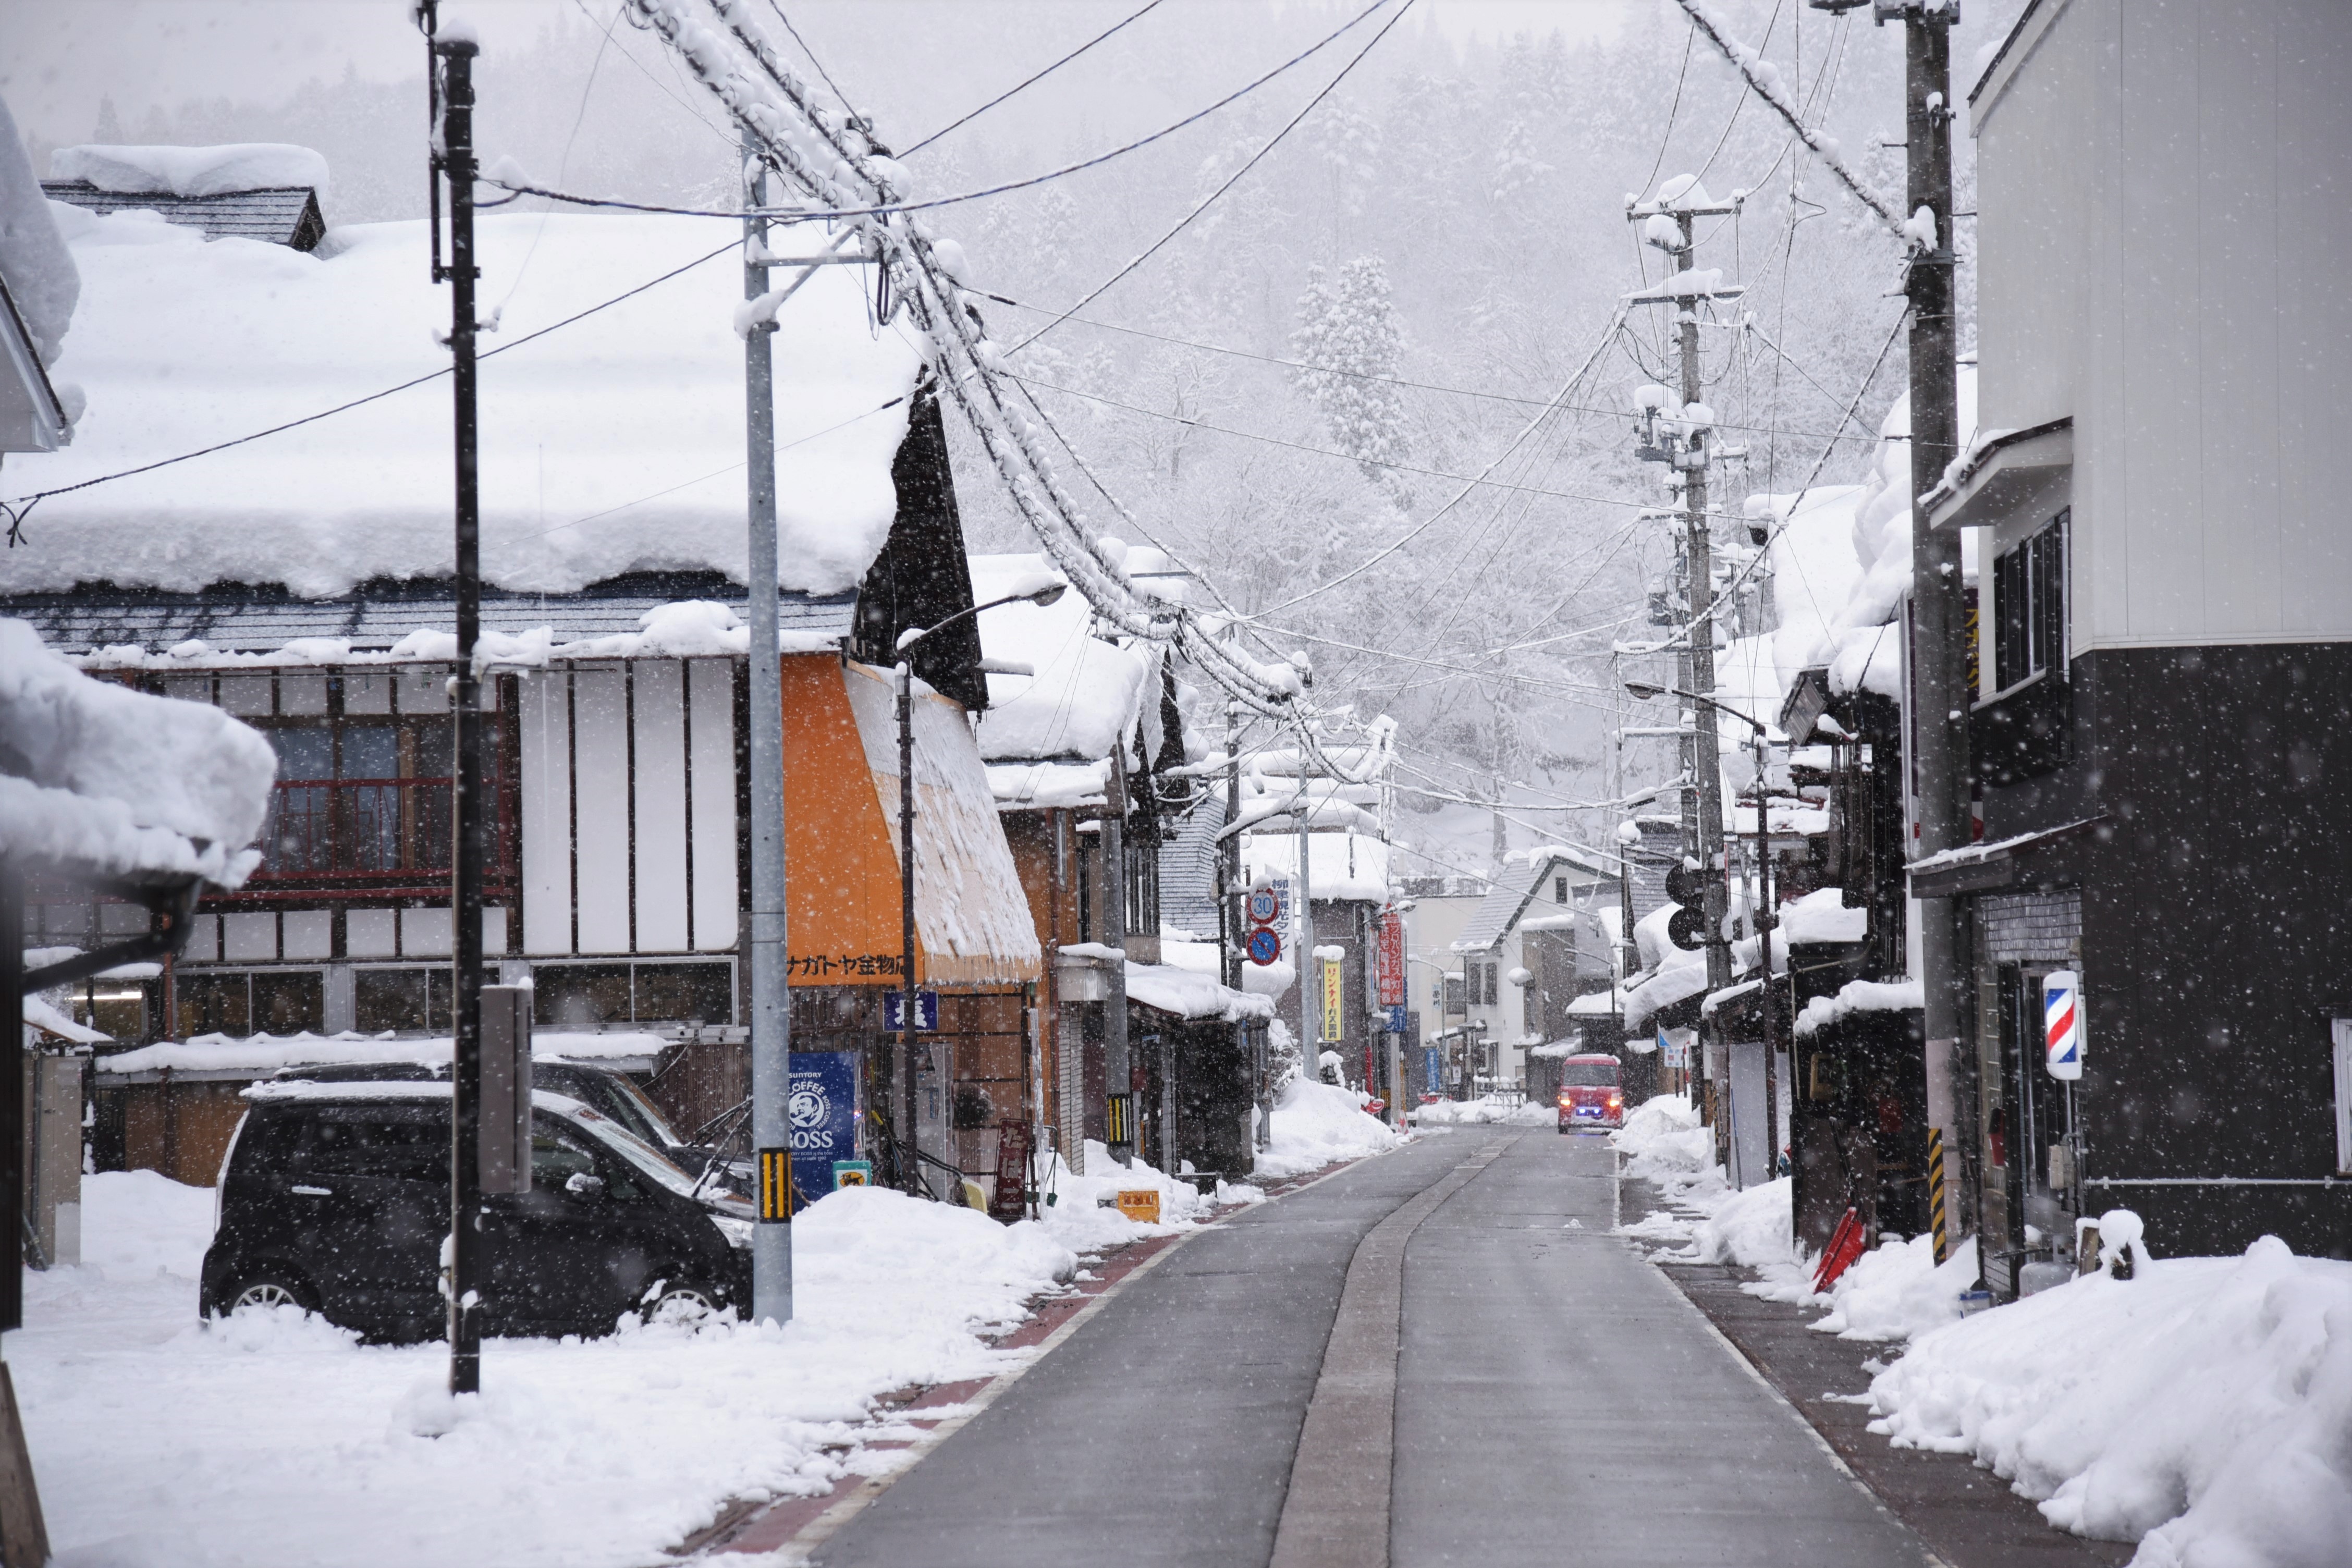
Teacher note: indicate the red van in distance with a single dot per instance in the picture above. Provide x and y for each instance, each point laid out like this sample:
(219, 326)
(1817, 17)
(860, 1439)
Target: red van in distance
(1589, 1093)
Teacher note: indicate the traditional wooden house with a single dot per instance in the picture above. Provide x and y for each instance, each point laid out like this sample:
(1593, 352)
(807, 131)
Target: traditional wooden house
(1087, 751)
(301, 582)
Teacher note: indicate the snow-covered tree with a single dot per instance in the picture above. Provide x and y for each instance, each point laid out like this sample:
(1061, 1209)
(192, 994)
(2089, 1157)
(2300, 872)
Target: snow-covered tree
(1347, 331)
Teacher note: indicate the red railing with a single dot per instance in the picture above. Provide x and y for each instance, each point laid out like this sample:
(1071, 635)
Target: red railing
(368, 829)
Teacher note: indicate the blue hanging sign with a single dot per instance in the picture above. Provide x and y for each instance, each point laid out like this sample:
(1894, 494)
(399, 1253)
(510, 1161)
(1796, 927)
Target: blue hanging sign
(822, 1109)
(926, 1010)
(1397, 1020)
(1264, 945)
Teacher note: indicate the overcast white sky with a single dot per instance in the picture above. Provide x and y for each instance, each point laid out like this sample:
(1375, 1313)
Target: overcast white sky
(58, 59)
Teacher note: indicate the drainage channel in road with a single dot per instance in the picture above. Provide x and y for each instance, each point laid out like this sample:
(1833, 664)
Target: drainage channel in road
(750, 1526)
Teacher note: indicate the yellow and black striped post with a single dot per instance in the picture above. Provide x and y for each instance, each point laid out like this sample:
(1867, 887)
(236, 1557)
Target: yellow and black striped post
(1936, 1193)
(1119, 1122)
(776, 1184)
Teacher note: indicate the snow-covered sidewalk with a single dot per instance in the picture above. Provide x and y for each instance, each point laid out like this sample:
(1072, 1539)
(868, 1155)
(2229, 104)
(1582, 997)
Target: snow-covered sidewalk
(2203, 1408)
(278, 1439)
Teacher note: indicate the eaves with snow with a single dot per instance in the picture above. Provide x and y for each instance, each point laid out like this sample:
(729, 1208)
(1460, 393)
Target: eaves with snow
(611, 444)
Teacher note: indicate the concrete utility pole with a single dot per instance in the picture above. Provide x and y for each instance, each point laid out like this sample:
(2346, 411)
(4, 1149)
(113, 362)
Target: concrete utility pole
(1669, 223)
(1302, 926)
(772, 1013)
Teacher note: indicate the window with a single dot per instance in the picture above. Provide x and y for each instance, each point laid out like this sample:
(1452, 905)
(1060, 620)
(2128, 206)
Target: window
(246, 1001)
(415, 1000)
(2030, 607)
(408, 1145)
(1559, 889)
(363, 791)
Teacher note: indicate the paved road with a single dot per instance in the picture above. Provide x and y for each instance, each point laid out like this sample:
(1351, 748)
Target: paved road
(1553, 1400)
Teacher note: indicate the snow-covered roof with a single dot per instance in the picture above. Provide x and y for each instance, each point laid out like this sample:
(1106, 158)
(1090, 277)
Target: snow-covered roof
(34, 261)
(631, 618)
(1526, 876)
(614, 444)
(1350, 866)
(272, 1053)
(192, 171)
(120, 782)
(1190, 995)
(1861, 996)
(1085, 690)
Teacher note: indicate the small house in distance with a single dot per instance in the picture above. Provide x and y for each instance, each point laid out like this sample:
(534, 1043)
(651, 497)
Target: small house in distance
(260, 191)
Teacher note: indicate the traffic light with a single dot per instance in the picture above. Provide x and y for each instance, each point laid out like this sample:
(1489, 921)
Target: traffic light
(1687, 926)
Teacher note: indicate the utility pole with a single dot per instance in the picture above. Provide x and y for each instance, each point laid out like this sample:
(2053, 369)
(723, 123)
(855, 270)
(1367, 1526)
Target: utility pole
(1669, 223)
(910, 1173)
(453, 52)
(772, 1013)
(1936, 659)
(1119, 1067)
(1940, 694)
(1302, 925)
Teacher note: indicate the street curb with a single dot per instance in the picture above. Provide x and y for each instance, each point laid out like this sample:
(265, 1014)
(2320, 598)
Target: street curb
(1756, 1373)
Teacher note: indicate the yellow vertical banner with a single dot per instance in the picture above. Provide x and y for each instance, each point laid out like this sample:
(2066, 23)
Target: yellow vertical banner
(1333, 1017)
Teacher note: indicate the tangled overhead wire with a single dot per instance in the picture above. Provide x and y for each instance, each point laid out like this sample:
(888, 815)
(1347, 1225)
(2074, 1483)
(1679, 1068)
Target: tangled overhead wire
(834, 161)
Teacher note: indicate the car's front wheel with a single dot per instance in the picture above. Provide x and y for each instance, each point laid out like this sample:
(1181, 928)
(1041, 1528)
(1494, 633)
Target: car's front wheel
(268, 1290)
(688, 1304)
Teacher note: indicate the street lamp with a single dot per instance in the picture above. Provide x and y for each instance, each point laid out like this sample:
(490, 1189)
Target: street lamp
(1040, 589)
(1643, 691)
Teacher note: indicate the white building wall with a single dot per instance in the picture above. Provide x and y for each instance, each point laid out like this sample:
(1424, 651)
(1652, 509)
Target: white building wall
(628, 784)
(2162, 191)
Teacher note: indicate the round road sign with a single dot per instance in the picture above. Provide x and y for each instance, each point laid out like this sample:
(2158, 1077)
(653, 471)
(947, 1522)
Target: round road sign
(1264, 946)
(1265, 906)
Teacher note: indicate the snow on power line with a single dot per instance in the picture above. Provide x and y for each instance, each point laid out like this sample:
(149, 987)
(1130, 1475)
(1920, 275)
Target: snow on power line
(834, 161)
(1765, 78)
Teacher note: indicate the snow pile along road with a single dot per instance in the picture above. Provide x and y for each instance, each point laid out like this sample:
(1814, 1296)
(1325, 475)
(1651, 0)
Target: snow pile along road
(278, 1439)
(1319, 1124)
(2204, 1407)
(1490, 1109)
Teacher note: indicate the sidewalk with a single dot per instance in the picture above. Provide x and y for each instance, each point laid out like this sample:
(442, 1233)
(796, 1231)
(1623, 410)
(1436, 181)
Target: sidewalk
(1968, 1516)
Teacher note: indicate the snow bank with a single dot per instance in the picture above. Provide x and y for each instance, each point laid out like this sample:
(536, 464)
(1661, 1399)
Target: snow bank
(1490, 1108)
(1079, 1213)
(2204, 1407)
(611, 444)
(124, 780)
(1896, 1292)
(192, 171)
(276, 1439)
(1319, 1124)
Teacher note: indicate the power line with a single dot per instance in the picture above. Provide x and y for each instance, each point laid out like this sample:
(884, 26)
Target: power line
(1344, 457)
(18, 508)
(1362, 375)
(796, 32)
(1022, 86)
(804, 214)
(1251, 163)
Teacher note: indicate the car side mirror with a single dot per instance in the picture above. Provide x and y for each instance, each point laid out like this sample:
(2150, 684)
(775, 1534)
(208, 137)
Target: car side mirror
(585, 1188)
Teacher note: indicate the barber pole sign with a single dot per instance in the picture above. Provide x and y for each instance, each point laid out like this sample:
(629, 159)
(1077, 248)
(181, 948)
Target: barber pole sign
(2061, 1024)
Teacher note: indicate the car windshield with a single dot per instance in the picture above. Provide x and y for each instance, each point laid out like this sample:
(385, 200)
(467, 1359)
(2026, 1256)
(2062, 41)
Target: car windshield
(1588, 1075)
(651, 1119)
(635, 1150)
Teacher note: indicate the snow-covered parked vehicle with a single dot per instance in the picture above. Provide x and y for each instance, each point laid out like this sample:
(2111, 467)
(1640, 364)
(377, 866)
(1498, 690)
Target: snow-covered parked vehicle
(335, 1197)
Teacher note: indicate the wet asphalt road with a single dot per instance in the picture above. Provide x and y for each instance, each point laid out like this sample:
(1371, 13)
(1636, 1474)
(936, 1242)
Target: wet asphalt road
(1554, 1400)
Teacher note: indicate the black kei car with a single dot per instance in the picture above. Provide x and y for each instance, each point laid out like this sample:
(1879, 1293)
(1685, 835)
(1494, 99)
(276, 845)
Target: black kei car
(335, 1197)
